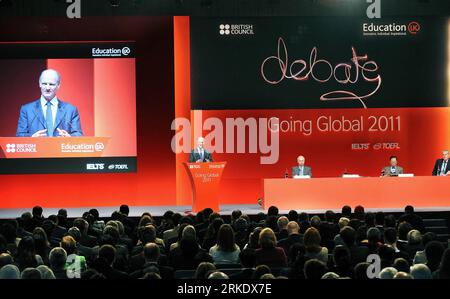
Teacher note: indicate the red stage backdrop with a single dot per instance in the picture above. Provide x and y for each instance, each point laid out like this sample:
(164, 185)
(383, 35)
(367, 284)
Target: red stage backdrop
(342, 92)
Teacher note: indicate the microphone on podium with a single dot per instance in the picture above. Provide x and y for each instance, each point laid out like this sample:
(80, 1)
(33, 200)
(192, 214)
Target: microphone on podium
(286, 174)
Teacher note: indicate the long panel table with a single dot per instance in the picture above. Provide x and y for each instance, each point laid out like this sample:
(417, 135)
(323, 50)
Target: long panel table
(370, 192)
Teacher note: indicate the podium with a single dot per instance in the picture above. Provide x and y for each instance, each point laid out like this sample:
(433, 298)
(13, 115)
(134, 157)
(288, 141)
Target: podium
(205, 181)
(52, 147)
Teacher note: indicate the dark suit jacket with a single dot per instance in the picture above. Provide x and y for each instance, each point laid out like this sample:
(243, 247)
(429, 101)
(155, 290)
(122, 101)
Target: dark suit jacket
(138, 261)
(306, 170)
(415, 221)
(274, 257)
(112, 273)
(358, 254)
(195, 155)
(32, 119)
(281, 234)
(438, 165)
(181, 261)
(101, 265)
(289, 241)
(88, 241)
(89, 253)
(164, 271)
(57, 234)
(387, 171)
(246, 273)
(60, 274)
(34, 222)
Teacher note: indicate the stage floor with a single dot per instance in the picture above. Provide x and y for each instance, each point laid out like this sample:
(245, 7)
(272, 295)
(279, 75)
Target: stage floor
(136, 211)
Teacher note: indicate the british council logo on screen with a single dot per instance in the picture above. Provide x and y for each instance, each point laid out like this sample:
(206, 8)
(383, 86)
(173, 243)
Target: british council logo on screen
(224, 29)
(236, 29)
(10, 148)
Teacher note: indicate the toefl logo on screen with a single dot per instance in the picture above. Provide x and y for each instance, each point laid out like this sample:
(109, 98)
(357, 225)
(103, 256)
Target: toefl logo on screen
(111, 52)
(236, 29)
(118, 167)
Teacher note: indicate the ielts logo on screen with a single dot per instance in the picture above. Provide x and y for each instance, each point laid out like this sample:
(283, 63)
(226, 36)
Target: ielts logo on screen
(95, 166)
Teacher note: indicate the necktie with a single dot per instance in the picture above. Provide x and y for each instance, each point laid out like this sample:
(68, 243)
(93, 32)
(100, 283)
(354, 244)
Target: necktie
(444, 166)
(49, 119)
(301, 170)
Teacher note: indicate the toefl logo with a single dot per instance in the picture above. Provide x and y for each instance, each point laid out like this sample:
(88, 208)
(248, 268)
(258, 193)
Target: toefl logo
(111, 52)
(118, 166)
(236, 29)
(10, 148)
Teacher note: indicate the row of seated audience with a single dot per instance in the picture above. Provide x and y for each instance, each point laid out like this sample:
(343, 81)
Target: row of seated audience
(293, 246)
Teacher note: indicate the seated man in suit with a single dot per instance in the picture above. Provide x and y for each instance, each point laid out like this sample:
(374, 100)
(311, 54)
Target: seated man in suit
(48, 115)
(200, 154)
(301, 169)
(442, 166)
(392, 170)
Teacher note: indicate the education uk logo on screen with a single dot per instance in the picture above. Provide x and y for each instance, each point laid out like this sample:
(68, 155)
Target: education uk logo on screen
(391, 29)
(111, 52)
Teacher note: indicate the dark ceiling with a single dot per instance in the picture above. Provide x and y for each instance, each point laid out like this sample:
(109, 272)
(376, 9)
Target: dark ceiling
(225, 7)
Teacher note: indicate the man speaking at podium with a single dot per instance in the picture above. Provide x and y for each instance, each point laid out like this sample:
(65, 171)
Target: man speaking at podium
(200, 154)
(49, 116)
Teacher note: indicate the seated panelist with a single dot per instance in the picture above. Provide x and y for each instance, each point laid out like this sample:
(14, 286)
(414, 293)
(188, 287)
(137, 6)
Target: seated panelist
(393, 169)
(442, 166)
